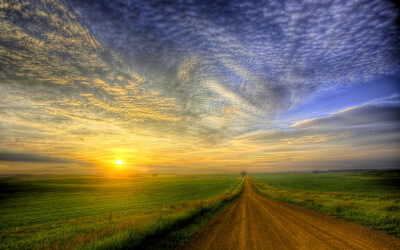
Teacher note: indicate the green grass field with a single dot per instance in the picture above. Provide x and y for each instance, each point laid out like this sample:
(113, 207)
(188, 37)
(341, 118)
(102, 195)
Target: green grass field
(100, 212)
(370, 198)
(377, 182)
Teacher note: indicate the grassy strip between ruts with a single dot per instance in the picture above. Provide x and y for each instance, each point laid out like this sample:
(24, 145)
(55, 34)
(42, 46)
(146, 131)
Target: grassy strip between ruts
(166, 231)
(378, 211)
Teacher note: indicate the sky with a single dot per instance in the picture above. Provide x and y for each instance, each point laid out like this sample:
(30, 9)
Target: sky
(198, 86)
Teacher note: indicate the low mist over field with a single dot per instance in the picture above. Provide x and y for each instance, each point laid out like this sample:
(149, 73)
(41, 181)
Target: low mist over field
(198, 86)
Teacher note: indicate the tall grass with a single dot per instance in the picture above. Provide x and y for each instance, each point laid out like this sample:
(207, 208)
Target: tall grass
(378, 210)
(167, 230)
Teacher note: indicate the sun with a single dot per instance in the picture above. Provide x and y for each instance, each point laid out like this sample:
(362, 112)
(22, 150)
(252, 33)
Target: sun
(119, 162)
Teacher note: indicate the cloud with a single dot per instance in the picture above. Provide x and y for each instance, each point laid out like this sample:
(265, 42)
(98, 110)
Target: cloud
(310, 139)
(49, 53)
(277, 161)
(26, 157)
(273, 54)
(374, 121)
(64, 93)
(184, 84)
(370, 115)
(254, 60)
(365, 136)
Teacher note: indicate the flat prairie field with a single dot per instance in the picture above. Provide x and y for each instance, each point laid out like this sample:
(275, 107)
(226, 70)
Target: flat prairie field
(370, 198)
(103, 212)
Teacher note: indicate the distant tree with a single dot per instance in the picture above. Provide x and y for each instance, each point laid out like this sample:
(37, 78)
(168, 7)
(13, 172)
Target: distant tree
(243, 173)
(154, 175)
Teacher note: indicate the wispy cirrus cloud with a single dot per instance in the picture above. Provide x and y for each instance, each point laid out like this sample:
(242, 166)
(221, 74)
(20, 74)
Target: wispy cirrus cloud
(193, 85)
(272, 54)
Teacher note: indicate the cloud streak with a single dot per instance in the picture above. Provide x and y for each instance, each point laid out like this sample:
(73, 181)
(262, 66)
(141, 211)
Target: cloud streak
(367, 115)
(24, 157)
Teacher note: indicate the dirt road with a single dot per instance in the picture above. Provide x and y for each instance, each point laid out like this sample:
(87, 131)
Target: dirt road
(256, 222)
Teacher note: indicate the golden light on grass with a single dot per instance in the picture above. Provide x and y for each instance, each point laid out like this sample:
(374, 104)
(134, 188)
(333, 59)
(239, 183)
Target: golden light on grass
(119, 162)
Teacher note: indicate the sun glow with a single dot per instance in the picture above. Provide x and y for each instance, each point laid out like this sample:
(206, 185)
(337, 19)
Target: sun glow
(119, 162)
